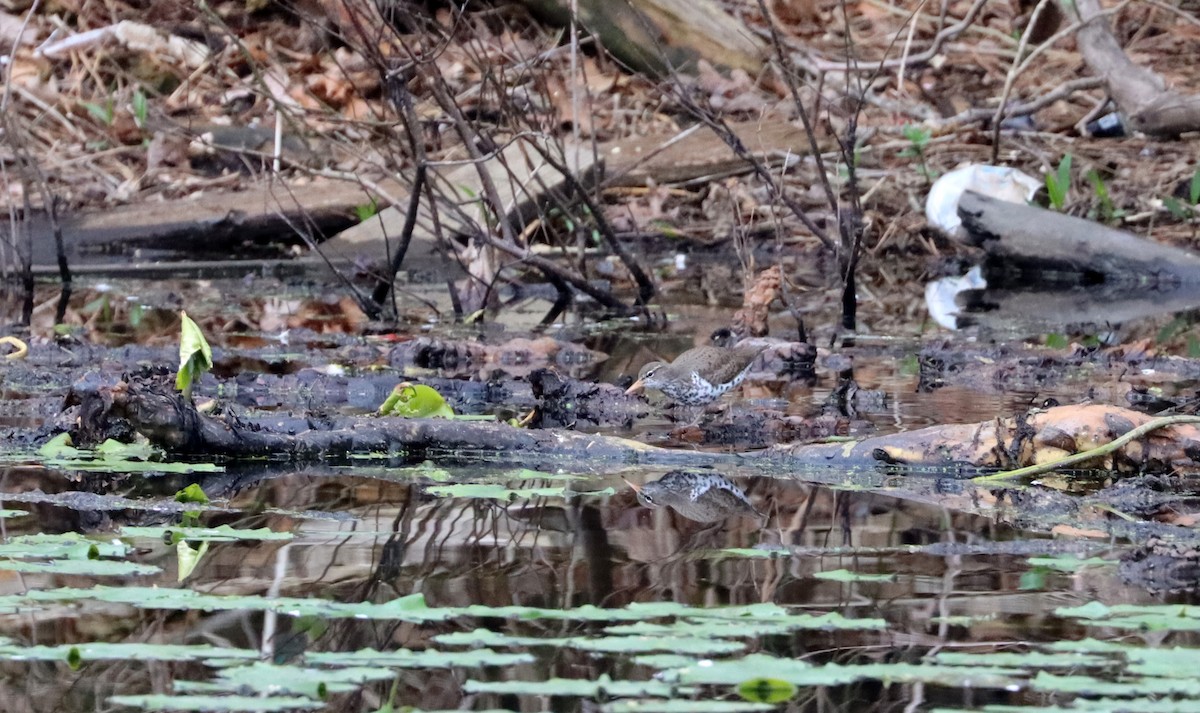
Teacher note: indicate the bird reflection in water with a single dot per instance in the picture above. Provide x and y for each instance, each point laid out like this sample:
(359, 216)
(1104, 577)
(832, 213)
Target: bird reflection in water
(703, 497)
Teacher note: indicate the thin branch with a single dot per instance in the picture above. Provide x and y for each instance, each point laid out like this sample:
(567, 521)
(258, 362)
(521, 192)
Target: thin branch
(785, 69)
(947, 33)
(410, 222)
(1012, 77)
(1044, 100)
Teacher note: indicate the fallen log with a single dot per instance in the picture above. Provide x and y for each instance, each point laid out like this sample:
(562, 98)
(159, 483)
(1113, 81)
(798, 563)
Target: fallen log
(1025, 237)
(149, 405)
(661, 36)
(1045, 268)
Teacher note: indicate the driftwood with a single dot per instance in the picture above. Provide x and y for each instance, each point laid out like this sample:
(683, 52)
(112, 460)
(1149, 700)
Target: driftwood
(1142, 95)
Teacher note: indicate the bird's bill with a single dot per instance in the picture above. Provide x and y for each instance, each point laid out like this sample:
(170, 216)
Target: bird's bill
(638, 387)
(636, 488)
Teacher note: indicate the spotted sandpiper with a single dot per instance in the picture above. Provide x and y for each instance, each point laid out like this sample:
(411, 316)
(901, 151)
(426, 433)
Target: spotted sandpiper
(703, 497)
(698, 376)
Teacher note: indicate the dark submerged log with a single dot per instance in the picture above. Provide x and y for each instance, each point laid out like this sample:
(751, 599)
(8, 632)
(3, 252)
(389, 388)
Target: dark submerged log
(152, 407)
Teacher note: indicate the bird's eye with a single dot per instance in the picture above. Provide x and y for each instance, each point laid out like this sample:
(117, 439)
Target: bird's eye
(646, 500)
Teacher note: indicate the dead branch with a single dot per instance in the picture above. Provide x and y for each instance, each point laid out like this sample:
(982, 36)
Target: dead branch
(1142, 95)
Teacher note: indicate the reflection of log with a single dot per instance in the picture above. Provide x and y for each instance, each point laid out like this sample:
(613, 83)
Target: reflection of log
(1032, 309)
(1026, 238)
(153, 408)
(215, 222)
(211, 223)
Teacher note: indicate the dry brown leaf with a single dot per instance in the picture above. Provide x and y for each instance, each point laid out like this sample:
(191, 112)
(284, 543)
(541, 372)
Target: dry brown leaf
(12, 34)
(752, 319)
(795, 15)
(1070, 531)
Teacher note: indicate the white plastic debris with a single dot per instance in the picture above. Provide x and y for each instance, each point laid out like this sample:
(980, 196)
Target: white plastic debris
(134, 36)
(940, 296)
(1001, 182)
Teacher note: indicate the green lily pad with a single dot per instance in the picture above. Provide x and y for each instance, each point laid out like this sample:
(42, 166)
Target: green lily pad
(579, 688)
(217, 704)
(224, 533)
(845, 575)
(89, 568)
(652, 705)
(404, 658)
(766, 690)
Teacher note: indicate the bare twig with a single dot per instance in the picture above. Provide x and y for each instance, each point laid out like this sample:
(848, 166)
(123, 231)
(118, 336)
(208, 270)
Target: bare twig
(1012, 78)
(1044, 100)
(410, 221)
(947, 33)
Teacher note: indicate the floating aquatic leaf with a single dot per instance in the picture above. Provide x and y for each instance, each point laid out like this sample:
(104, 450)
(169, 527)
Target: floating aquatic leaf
(493, 492)
(429, 658)
(114, 457)
(1030, 660)
(1069, 563)
(751, 552)
(733, 672)
(766, 690)
(60, 446)
(652, 705)
(408, 608)
(89, 568)
(746, 628)
(710, 628)
(570, 687)
(1154, 617)
(845, 575)
(223, 533)
(647, 644)
(277, 679)
(101, 651)
(1128, 686)
(217, 704)
(664, 660)
(66, 545)
(113, 450)
(489, 638)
